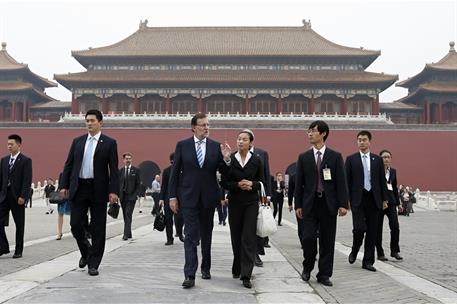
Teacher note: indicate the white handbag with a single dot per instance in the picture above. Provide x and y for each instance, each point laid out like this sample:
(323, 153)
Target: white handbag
(266, 224)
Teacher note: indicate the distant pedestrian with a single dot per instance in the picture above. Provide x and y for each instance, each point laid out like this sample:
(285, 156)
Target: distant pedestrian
(47, 191)
(155, 187)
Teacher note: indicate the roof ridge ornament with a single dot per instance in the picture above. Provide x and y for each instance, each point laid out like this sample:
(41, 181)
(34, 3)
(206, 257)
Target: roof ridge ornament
(3, 46)
(451, 45)
(144, 24)
(307, 24)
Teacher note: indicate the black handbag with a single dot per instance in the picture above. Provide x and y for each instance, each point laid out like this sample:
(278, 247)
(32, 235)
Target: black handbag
(159, 222)
(55, 198)
(113, 210)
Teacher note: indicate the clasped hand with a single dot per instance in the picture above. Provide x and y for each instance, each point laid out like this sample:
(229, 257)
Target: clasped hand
(245, 184)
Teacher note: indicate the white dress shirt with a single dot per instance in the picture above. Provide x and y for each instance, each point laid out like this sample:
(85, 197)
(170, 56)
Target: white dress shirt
(238, 158)
(91, 167)
(202, 146)
(322, 150)
(14, 157)
(368, 160)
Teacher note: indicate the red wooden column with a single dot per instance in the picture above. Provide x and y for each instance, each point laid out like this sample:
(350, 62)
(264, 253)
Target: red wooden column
(24, 111)
(136, 105)
(2, 118)
(344, 105)
(200, 104)
(427, 113)
(246, 104)
(375, 105)
(440, 113)
(105, 106)
(279, 104)
(74, 105)
(311, 105)
(168, 104)
(13, 111)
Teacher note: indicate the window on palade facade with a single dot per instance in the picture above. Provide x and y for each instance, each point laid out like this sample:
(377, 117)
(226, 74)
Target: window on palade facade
(152, 106)
(224, 106)
(184, 106)
(359, 106)
(262, 106)
(295, 106)
(327, 106)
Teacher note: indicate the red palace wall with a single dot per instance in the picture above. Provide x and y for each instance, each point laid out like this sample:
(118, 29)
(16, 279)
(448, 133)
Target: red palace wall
(424, 159)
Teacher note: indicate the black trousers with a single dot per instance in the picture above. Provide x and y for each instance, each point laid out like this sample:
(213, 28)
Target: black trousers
(18, 212)
(320, 220)
(221, 213)
(127, 212)
(82, 202)
(168, 222)
(198, 226)
(243, 227)
(391, 212)
(365, 223)
(179, 223)
(277, 208)
(156, 198)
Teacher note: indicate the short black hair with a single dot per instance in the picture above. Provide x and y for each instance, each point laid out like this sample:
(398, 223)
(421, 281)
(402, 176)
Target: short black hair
(249, 133)
(385, 151)
(16, 138)
(196, 117)
(364, 133)
(172, 156)
(127, 154)
(95, 112)
(322, 127)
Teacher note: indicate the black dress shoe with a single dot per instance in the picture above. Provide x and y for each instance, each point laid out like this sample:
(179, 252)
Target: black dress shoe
(82, 262)
(247, 283)
(17, 255)
(267, 246)
(168, 243)
(352, 257)
(396, 256)
(258, 262)
(4, 252)
(93, 271)
(189, 282)
(181, 238)
(124, 238)
(382, 258)
(325, 281)
(235, 276)
(305, 275)
(369, 267)
(206, 275)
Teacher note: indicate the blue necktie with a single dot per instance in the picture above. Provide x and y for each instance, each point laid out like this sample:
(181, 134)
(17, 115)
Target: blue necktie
(87, 160)
(366, 174)
(11, 165)
(200, 153)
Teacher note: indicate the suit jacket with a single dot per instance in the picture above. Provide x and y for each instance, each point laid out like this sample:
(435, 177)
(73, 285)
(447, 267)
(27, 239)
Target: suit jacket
(291, 190)
(263, 155)
(277, 196)
(306, 182)
(106, 173)
(252, 170)
(164, 195)
(393, 197)
(133, 184)
(188, 182)
(20, 177)
(355, 179)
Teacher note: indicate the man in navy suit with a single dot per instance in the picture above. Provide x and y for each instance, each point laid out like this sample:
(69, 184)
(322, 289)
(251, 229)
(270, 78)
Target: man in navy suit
(90, 178)
(193, 189)
(15, 182)
(320, 195)
(367, 195)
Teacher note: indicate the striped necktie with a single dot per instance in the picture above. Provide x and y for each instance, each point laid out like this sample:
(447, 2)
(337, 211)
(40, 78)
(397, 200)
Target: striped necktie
(11, 164)
(200, 153)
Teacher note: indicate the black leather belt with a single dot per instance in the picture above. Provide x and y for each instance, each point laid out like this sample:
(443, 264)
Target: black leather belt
(86, 181)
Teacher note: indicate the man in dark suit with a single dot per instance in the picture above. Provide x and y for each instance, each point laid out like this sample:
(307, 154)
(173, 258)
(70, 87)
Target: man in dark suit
(263, 155)
(164, 200)
(278, 187)
(194, 190)
(90, 178)
(129, 179)
(15, 182)
(367, 195)
(390, 211)
(320, 195)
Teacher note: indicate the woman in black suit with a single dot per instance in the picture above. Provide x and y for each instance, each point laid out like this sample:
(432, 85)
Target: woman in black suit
(242, 181)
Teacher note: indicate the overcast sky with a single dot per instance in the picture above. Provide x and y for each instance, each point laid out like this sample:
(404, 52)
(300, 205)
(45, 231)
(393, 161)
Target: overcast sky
(408, 33)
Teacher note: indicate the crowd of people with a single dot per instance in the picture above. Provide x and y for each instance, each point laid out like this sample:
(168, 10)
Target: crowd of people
(204, 176)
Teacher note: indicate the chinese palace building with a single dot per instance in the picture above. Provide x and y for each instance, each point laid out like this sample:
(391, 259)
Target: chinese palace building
(226, 70)
(20, 89)
(434, 91)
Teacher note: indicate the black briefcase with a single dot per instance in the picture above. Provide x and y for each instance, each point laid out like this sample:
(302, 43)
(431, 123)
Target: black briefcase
(55, 198)
(113, 210)
(159, 222)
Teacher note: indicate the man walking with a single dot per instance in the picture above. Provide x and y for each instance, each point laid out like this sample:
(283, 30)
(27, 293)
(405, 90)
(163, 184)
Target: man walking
(129, 178)
(320, 194)
(155, 194)
(90, 178)
(367, 195)
(15, 182)
(193, 189)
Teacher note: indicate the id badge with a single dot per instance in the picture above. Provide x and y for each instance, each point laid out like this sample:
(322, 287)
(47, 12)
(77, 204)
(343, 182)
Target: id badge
(327, 174)
(389, 187)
